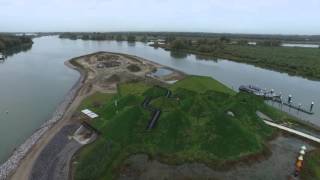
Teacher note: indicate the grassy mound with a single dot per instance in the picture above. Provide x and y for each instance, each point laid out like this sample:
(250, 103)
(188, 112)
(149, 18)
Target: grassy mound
(194, 126)
(202, 84)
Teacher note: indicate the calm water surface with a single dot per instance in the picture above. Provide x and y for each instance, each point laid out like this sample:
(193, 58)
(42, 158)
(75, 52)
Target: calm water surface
(33, 83)
(300, 45)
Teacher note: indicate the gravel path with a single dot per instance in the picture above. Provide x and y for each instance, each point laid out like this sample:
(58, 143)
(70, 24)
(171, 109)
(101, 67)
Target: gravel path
(53, 162)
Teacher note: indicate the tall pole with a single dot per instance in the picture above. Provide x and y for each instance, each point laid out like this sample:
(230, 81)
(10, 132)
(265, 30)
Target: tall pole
(311, 106)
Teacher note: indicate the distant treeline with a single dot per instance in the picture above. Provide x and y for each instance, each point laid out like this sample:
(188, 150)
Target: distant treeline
(210, 45)
(265, 53)
(144, 36)
(104, 36)
(10, 44)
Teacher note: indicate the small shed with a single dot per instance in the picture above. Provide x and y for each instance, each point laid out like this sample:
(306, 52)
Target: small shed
(89, 113)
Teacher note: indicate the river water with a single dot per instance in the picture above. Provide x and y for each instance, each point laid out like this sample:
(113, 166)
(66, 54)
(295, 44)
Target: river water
(33, 83)
(300, 45)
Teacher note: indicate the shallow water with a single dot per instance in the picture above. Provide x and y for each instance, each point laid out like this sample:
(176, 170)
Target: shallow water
(162, 72)
(34, 82)
(300, 45)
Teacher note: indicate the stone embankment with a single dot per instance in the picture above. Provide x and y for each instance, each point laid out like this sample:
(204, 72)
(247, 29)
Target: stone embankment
(8, 167)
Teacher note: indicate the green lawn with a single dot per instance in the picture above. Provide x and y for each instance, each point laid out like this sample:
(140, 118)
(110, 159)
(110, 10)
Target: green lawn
(193, 126)
(95, 99)
(133, 88)
(202, 84)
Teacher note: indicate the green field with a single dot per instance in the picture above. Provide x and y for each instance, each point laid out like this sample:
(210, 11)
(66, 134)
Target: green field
(194, 126)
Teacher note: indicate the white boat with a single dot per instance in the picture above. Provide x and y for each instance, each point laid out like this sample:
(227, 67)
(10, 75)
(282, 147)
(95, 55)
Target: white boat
(1, 56)
(258, 91)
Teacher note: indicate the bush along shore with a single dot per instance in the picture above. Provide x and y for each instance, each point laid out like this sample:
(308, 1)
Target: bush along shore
(297, 61)
(10, 44)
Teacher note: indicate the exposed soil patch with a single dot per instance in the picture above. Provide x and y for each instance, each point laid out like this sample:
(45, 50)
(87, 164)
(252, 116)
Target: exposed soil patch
(279, 165)
(134, 68)
(113, 78)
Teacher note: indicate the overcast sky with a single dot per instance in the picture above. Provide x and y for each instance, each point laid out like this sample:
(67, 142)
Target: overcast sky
(233, 16)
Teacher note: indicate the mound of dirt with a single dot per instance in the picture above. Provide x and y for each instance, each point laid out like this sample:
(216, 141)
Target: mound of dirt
(133, 68)
(107, 57)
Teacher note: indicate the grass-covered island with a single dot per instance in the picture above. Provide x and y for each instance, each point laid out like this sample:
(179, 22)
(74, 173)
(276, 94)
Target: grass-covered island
(10, 44)
(202, 121)
(203, 127)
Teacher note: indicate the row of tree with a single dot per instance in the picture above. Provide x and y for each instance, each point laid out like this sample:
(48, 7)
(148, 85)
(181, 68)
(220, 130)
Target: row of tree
(103, 36)
(201, 45)
(9, 42)
(205, 45)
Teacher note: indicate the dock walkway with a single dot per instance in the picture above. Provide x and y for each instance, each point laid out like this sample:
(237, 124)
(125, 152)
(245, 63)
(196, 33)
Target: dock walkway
(301, 134)
(269, 122)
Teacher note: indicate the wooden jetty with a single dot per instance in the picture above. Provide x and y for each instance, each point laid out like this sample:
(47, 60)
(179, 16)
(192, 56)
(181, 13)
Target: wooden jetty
(290, 105)
(271, 96)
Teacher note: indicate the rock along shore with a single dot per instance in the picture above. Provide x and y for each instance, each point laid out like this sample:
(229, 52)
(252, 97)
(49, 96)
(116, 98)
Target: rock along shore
(8, 167)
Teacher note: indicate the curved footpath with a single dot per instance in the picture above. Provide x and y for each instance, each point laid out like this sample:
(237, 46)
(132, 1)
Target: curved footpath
(19, 165)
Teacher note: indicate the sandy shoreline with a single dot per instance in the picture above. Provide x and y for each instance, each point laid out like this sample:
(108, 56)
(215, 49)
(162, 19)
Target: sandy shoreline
(18, 156)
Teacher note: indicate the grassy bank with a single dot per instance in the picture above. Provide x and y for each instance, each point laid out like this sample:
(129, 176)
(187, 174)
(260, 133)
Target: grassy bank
(193, 127)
